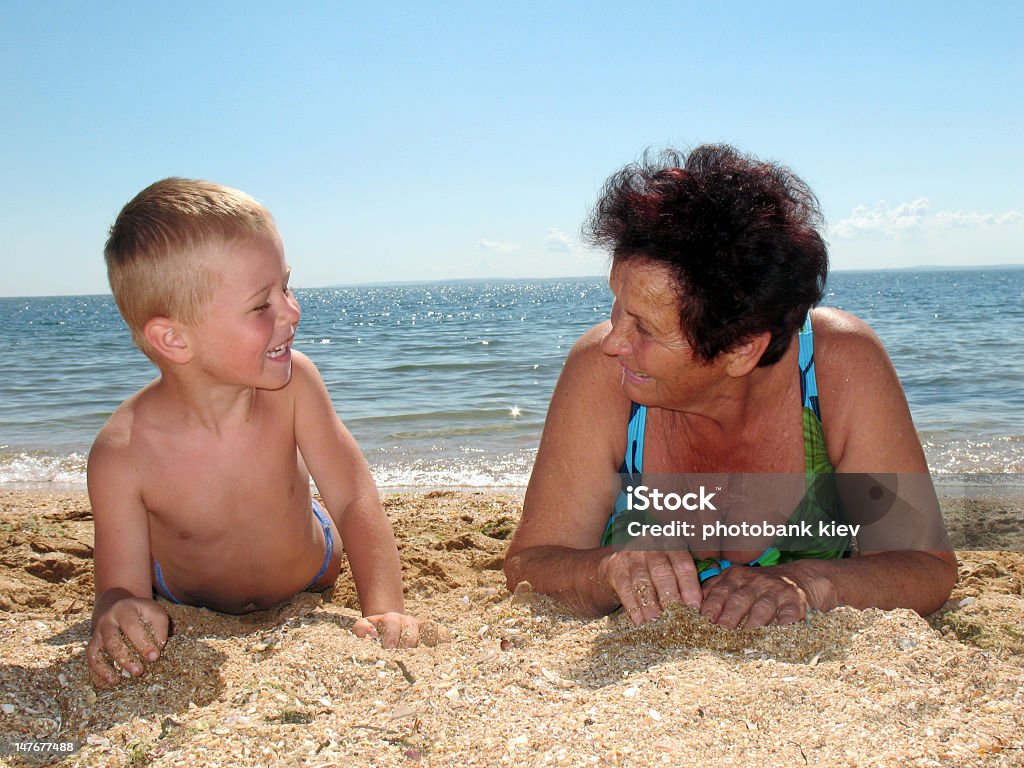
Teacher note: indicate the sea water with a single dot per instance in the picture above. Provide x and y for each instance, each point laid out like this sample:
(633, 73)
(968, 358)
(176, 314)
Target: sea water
(447, 385)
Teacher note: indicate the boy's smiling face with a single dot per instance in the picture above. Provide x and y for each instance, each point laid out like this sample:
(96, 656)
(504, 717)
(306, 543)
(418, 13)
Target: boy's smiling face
(246, 332)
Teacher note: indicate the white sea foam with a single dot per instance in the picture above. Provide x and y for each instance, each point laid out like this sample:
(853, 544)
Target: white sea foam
(479, 473)
(42, 470)
(951, 455)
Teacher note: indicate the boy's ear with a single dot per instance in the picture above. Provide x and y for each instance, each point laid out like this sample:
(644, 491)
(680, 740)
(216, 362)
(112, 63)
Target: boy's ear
(168, 338)
(744, 357)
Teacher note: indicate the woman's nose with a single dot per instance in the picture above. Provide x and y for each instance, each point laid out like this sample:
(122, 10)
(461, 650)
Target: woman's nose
(615, 341)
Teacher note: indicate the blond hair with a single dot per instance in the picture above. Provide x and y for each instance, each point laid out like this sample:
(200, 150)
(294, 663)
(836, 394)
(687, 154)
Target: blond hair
(153, 257)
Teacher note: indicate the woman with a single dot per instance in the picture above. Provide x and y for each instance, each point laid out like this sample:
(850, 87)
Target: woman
(715, 362)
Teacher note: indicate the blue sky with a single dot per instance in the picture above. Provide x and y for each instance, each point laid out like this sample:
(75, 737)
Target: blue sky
(417, 141)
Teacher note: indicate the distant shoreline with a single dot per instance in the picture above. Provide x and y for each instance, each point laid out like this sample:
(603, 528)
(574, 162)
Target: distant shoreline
(483, 280)
(936, 268)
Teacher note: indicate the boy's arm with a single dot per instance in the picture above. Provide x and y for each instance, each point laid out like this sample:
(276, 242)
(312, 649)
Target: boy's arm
(343, 478)
(124, 607)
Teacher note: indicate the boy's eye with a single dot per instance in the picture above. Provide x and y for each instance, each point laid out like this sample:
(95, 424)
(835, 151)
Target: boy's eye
(263, 307)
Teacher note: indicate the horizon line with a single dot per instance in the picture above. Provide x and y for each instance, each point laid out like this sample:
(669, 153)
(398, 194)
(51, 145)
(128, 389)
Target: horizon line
(462, 280)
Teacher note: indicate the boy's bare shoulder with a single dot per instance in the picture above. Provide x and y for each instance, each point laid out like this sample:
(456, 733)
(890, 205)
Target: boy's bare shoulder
(302, 365)
(116, 434)
(305, 374)
(112, 469)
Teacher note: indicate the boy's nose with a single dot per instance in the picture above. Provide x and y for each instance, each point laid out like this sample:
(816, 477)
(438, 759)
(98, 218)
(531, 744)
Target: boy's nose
(292, 312)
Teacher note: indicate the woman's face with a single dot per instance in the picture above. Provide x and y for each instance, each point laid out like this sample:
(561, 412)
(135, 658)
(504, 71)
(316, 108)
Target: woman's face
(659, 367)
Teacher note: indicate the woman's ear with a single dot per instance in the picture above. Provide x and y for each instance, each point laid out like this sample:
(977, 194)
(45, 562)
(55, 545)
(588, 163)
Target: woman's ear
(744, 358)
(169, 339)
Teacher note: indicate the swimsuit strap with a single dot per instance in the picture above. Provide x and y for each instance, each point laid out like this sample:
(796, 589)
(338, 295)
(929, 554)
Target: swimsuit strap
(816, 460)
(633, 463)
(158, 571)
(325, 523)
(808, 381)
(630, 471)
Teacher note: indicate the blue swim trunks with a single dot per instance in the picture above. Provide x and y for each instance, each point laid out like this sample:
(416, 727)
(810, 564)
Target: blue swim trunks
(325, 523)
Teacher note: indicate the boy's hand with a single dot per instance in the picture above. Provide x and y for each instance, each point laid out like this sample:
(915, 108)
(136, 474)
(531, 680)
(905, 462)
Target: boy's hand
(139, 620)
(396, 630)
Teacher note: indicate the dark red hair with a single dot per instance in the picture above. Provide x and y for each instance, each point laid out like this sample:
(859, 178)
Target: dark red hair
(740, 236)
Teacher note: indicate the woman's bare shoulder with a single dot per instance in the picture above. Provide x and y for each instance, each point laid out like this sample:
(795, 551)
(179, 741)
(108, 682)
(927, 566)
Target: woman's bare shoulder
(592, 373)
(590, 341)
(848, 354)
(842, 340)
(833, 322)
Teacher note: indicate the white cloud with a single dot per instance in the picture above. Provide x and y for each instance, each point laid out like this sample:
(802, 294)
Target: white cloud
(557, 241)
(972, 219)
(550, 253)
(911, 219)
(484, 244)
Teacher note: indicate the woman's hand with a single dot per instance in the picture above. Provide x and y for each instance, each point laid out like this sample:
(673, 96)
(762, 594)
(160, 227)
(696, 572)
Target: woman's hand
(757, 597)
(647, 581)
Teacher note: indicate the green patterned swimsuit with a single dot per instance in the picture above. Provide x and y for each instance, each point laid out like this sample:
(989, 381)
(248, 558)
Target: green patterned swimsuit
(820, 502)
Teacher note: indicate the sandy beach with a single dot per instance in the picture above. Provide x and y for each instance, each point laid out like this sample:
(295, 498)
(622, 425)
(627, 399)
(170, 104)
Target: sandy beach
(518, 682)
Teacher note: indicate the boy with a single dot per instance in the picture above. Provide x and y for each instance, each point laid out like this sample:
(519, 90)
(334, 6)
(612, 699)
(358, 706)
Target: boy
(199, 482)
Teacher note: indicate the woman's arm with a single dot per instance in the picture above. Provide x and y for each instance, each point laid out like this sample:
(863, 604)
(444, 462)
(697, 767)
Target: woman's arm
(782, 594)
(571, 495)
(572, 488)
(882, 475)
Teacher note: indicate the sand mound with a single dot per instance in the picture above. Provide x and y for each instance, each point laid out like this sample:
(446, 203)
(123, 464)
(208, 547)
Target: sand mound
(520, 683)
